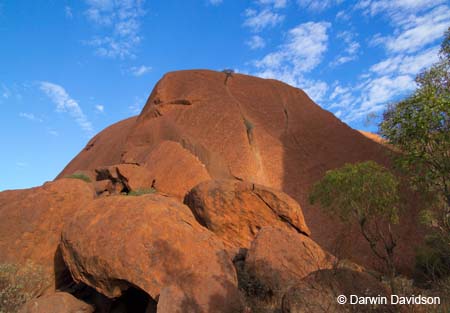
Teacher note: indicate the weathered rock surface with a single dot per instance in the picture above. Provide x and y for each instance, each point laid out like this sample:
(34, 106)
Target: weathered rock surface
(59, 302)
(318, 292)
(149, 242)
(235, 211)
(122, 178)
(195, 127)
(31, 221)
(279, 258)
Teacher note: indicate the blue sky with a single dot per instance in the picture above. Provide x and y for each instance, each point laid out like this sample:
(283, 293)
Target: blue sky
(70, 68)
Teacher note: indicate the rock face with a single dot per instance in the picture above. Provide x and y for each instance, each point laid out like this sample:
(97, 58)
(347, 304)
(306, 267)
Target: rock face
(198, 126)
(235, 211)
(278, 258)
(31, 221)
(317, 293)
(149, 242)
(59, 302)
(122, 178)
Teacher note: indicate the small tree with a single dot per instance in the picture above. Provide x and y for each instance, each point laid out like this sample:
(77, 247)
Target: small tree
(365, 193)
(419, 126)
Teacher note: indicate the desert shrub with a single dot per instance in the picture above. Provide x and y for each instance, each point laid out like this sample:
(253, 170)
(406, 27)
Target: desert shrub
(248, 125)
(81, 176)
(433, 260)
(20, 284)
(140, 192)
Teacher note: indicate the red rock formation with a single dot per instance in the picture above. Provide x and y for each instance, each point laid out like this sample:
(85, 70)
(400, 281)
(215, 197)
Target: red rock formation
(278, 258)
(235, 211)
(317, 293)
(149, 242)
(196, 125)
(31, 221)
(59, 302)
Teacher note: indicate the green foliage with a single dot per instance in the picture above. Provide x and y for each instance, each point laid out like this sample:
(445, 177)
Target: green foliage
(81, 176)
(358, 192)
(367, 194)
(433, 259)
(248, 125)
(140, 192)
(420, 127)
(19, 284)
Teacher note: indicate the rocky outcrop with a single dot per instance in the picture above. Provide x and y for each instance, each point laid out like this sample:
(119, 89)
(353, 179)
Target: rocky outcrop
(31, 221)
(277, 260)
(195, 127)
(318, 292)
(59, 302)
(150, 242)
(279, 257)
(235, 211)
(122, 178)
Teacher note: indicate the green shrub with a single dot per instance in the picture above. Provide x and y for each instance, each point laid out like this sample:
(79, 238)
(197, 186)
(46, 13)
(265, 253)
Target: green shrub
(248, 125)
(81, 176)
(433, 259)
(20, 284)
(140, 192)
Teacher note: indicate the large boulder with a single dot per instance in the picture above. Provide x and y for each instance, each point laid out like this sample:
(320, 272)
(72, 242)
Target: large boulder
(235, 210)
(59, 302)
(276, 260)
(151, 243)
(319, 292)
(31, 221)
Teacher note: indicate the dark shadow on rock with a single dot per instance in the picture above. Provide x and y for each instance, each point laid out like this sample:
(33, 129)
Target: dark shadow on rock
(132, 300)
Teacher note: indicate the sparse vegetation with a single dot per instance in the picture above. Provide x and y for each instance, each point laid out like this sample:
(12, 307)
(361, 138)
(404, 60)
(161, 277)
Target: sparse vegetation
(365, 193)
(140, 192)
(19, 284)
(419, 126)
(81, 176)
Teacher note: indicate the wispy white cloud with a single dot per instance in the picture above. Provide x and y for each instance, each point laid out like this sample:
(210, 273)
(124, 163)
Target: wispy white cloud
(64, 103)
(120, 21)
(256, 42)
(31, 117)
(68, 11)
(315, 5)
(275, 3)
(416, 32)
(351, 49)
(21, 164)
(301, 52)
(6, 93)
(410, 47)
(259, 20)
(137, 105)
(396, 8)
(378, 92)
(215, 2)
(406, 64)
(342, 15)
(140, 70)
(100, 108)
(53, 132)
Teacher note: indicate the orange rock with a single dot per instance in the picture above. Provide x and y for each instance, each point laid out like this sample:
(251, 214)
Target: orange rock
(149, 242)
(235, 211)
(59, 302)
(31, 221)
(196, 126)
(318, 292)
(279, 258)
